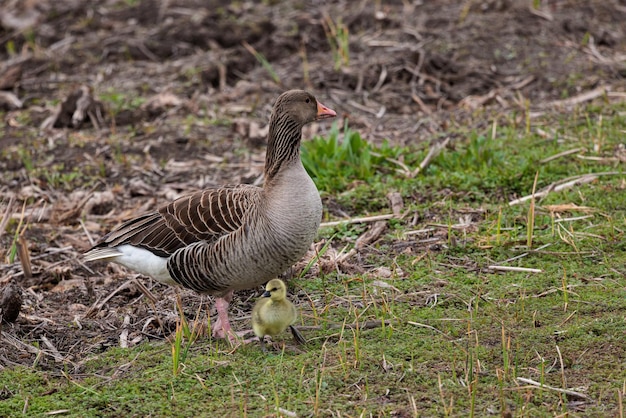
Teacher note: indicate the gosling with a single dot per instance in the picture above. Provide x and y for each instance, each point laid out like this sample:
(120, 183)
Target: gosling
(273, 313)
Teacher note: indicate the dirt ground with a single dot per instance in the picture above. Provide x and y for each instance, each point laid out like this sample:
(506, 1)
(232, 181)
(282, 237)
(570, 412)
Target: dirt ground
(174, 99)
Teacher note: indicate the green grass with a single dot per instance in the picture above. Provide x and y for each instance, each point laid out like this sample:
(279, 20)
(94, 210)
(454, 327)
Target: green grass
(118, 101)
(460, 333)
(337, 35)
(341, 159)
(263, 61)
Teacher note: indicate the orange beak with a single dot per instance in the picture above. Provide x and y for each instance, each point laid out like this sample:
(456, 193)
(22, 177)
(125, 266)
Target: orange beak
(324, 112)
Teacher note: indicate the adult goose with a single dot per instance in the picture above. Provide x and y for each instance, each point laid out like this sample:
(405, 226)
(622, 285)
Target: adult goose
(230, 238)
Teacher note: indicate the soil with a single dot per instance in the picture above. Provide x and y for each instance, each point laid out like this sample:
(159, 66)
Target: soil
(173, 99)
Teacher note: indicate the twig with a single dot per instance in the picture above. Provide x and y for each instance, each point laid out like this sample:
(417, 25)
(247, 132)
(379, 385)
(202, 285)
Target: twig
(145, 291)
(432, 153)
(544, 15)
(475, 101)
(286, 412)
(100, 303)
(560, 253)
(57, 412)
(53, 350)
(396, 203)
(599, 159)
(517, 257)
(359, 220)
(24, 256)
(460, 226)
(565, 184)
(531, 214)
(418, 324)
(567, 207)
(124, 333)
(369, 236)
(34, 215)
(366, 109)
(18, 344)
(92, 242)
(522, 83)
(558, 350)
(418, 231)
(381, 79)
(598, 57)
(47, 252)
(520, 269)
(581, 98)
(543, 386)
(404, 169)
(562, 154)
(572, 219)
(6, 217)
(421, 104)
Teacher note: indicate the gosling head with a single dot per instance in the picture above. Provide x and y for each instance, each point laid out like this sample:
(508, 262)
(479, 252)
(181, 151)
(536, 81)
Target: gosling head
(275, 289)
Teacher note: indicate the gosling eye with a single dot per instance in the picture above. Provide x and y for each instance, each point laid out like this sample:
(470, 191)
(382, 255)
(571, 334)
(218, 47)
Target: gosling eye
(274, 289)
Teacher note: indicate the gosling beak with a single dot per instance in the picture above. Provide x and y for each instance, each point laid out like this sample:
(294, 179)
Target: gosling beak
(266, 294)
(324, 112)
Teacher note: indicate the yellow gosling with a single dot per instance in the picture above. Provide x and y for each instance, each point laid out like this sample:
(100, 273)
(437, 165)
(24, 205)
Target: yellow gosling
(273, 313)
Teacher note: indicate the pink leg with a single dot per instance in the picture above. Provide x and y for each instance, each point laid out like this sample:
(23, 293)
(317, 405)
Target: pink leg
(222, 328)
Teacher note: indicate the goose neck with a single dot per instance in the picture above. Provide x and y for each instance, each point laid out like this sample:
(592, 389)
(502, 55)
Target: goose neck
(283, 144)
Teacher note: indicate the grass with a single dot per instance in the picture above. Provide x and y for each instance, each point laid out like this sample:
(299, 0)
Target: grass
(343, 158)
(263, 61)
(460, 334)
(338, 37)
(117, 100)
(184, 338)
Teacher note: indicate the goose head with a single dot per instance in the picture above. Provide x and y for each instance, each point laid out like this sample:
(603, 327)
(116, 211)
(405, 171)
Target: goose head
(301, 107)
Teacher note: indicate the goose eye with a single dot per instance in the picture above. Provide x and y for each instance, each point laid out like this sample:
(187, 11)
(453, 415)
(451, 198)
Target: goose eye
(308, 100)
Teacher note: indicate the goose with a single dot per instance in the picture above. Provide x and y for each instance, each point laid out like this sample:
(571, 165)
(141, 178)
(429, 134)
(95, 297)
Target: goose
(220, 240)
(273, 313)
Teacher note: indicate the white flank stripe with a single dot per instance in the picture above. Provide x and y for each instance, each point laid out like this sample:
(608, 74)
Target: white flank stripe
(144, 262)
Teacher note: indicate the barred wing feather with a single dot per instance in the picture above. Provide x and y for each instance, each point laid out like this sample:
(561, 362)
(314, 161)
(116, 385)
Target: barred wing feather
(201, 216)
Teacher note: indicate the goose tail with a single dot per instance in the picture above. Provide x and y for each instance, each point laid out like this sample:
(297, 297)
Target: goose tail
(101, 253)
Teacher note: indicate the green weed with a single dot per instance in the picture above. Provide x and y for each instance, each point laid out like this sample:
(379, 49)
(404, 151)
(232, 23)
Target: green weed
(15, 242)
(27, 159)
(184, 338)
(263, 61)
(10, 48)
(335, 163)
(119, 101)
(57, 178)
(338, 38)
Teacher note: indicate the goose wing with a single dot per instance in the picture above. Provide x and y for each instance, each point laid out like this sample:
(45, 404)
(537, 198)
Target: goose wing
(201, 216)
